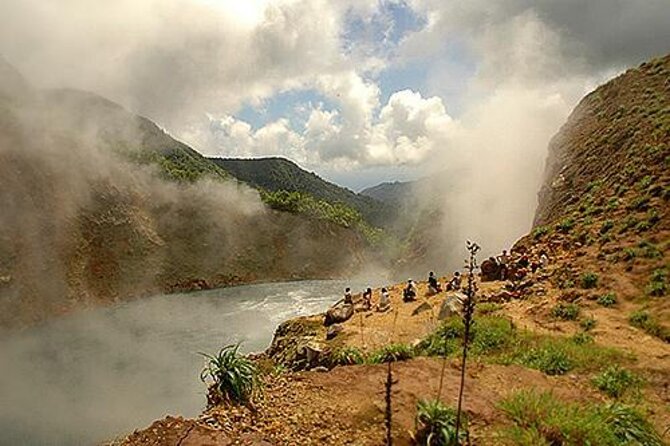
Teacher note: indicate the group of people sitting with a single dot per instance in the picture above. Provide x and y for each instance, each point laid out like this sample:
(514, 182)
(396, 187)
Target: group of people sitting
(409, 293)
(513, 266)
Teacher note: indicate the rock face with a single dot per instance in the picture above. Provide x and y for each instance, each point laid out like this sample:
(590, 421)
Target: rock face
(333, 331)
(451, 306)
(338, 314)
(615, 137)
(425, 306)
(298, 343)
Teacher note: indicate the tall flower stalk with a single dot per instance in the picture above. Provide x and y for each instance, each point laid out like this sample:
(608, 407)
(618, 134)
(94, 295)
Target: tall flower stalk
(468, 313)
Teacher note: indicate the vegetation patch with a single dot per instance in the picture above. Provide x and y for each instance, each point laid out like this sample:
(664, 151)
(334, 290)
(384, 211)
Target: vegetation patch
(607, 300)
(497, 340)
(338, 213)
(540, 231)
(615, 381)
(588, 280)
(347, 356)
(230, 376)
(658, 283)
(436, 424)
(543, 419)
(643, 320)
(588, 323)
(392, 353)
(566, 311)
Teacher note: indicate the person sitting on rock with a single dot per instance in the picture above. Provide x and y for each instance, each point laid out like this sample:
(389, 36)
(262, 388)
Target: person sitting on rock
(367, 299)
(503, 261)
(434, 286)
(384, 301)
(455, 282)
(348, 299)
(409, 292)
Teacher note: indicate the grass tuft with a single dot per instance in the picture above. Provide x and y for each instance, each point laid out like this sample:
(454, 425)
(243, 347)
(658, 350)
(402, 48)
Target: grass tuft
(615, 381)
(567, 312)
(542, 419)
(607, 300)
(392, 353)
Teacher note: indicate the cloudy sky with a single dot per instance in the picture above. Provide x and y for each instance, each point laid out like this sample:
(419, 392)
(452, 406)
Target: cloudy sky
(359, 91)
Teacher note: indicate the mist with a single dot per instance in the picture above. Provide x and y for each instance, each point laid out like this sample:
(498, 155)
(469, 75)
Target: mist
(101, 373)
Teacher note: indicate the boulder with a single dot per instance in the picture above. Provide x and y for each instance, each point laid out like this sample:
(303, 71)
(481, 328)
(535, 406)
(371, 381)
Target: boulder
(333, 331)
(422, 308)
(490, 271)
(451, 306)
(339, 313)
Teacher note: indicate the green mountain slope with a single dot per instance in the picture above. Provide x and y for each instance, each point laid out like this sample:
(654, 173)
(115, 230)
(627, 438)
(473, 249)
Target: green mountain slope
(279, 174)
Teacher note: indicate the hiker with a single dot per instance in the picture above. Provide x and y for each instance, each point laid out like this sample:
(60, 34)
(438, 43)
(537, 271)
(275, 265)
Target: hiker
(384, 301)
(434, 286)
(409, 292)
(523, 262)
(367, 299)
(348, 299)
(503, 261)
(455, 282)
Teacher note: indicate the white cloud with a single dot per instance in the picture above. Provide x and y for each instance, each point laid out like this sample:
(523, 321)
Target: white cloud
(405, 131)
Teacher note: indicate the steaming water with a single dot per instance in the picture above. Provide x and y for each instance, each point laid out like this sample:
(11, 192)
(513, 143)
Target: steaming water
(101, 373)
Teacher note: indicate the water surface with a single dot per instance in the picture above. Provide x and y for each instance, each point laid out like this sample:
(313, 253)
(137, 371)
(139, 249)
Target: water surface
(101, 373)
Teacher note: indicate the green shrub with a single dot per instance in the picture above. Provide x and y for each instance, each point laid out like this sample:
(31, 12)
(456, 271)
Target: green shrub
(582, 338)
(607, 300)
(436, 424)
(629, 222)
(348, 356)
(392, 353)
(609, 224)
(445, 339)
(588, 323)
(233, 377)
(615, 381)
(658, 283)
(589, 280)
(612, 203)
(640, 203)
(643, 320)
(649, 250)
(629, 254)
(542, 419)
(567, 312)
(566, 225)
(540, 231)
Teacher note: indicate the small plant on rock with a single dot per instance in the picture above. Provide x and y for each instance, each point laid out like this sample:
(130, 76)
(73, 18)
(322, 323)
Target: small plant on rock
(231, 377)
